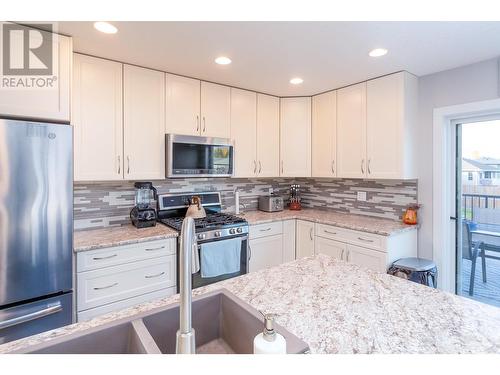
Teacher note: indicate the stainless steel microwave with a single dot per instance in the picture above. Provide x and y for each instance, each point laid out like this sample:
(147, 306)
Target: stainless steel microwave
(193, 156)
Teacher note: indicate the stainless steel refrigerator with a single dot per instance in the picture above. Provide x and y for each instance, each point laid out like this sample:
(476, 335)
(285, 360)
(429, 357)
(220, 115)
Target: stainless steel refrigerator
(36, 227)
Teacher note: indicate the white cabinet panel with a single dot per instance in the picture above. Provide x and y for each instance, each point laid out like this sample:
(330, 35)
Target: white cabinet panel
(368, 258)
(295, 137)
(332, 248)
(351, 131)
(324, 134)
(144, 123)
(265, 252)
(268, 135)
(215, 110)
(51, 103)
(182, 105)
(304, 239)
(97, 119)
(288, 240)
(244, 132)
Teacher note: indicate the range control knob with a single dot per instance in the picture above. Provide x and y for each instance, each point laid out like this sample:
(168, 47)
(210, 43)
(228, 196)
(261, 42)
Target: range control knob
(217, 234)
(232, 231)
(239, 230)
(201, 236)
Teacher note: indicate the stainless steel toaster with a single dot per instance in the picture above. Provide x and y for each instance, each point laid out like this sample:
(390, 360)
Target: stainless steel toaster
(271, 203)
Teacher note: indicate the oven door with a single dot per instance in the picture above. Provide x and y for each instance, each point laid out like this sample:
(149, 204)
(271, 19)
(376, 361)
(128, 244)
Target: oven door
(191, 156)
(198, 281)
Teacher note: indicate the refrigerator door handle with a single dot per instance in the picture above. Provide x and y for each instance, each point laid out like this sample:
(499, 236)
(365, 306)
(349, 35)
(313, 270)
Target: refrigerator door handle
(53, 309)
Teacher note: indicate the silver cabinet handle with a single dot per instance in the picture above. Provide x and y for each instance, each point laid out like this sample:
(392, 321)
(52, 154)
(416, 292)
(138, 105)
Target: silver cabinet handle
(265, 230)
(204, 124)
(49, 310)
(311, 234)
(260, 167)
(105, 287)
(282, 166)
(249, 252)
(155, 248)
(197, 123)
(327, 231)
(347, 257)
(333, 163)
(364, 239)
(342, 255)
(153, 276)
(119, 165)
(108, 257)
(369, 170)
(128, 164)
(254, 167)
(363, 166)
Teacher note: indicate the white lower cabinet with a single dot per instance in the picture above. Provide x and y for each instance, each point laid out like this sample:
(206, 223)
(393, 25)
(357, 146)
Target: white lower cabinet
(265, 252)
(372, 259)
(304, 239)
(332, 248)
(118, 277)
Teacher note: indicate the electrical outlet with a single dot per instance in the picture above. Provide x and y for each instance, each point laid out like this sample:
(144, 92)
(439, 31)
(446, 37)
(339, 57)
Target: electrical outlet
(361, 196)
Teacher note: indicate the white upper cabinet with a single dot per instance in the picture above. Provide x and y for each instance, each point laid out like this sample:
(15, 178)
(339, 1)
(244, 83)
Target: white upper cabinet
(97, 119)
(215, 110)
(182, 105)
(324, 134)
(295, 137)
(51, 103)
(268, 135)
(144, 123)
(391, 102)
(351, 131)
(244, 132)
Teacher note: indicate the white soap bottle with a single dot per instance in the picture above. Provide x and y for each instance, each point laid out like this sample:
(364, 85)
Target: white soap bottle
(269, 341)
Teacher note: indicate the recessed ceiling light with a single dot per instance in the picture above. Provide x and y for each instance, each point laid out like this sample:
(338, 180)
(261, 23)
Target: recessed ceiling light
(377, 52)
(105, 27)
(296, 81)
(223, 60)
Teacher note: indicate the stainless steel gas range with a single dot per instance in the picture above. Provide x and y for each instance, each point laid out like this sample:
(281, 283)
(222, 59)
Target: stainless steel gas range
(214, 234)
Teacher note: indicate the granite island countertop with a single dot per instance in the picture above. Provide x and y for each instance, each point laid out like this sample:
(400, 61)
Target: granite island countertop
(338, 307)
(128, 234)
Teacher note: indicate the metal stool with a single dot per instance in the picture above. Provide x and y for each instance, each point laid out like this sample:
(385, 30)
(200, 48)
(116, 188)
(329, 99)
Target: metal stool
(419, 270)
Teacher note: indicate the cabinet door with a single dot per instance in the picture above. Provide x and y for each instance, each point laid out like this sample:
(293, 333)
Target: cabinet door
(324, 134)
(384, 124)
(304, 239)
(244, 132)
(351, 131)
(183, 105)
(288, 240)
(47, 103)
(215, 110)
(265, 252)
(144, 123)
(372, 259)
(97, 119)
(268, 135)
(335, 249)
(295, 137)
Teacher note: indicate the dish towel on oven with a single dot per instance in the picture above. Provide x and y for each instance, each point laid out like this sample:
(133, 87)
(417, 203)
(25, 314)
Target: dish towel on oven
(220, 257)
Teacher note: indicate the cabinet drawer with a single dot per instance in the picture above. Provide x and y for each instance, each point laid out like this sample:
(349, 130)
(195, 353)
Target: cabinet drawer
(364, 239)
(372, 259)
(112, 256)
(264, 230)
(103, 286)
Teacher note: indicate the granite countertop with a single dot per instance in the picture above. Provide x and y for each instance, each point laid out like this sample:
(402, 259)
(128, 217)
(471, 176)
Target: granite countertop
(361, 223)
(338, 307)
(116, 236)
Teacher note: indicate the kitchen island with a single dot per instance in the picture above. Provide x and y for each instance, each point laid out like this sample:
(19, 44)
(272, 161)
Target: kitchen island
(337, 307)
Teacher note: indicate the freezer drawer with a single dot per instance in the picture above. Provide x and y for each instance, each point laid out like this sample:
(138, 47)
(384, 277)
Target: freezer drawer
(35, 317)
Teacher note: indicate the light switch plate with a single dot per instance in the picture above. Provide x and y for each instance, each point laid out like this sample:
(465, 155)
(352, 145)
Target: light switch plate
(361, 196)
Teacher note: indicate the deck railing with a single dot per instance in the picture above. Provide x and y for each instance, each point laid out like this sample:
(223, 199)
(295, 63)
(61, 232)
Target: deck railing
(472, 201)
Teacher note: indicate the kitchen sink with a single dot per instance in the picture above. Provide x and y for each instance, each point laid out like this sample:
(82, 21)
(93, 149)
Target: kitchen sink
(223, 324)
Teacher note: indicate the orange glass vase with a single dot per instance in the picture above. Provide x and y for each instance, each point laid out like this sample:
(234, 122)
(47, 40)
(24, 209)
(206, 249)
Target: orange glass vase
(410, 215)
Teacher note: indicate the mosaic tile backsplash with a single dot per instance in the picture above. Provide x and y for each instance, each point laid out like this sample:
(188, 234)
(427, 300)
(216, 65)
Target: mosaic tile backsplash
(103, 204)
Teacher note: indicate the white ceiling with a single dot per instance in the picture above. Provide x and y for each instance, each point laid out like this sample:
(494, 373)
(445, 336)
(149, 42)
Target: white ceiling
(266, 55)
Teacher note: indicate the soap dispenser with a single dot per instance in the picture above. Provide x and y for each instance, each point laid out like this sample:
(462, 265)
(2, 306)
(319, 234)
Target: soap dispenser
(269, 341)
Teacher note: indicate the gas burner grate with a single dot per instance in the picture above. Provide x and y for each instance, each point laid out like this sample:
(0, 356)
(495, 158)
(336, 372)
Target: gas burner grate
(211, 221)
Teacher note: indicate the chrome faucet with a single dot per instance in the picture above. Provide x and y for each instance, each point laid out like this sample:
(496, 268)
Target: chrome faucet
(188, 264)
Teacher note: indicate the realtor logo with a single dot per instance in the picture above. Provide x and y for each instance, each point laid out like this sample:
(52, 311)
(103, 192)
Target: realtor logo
(28, 60)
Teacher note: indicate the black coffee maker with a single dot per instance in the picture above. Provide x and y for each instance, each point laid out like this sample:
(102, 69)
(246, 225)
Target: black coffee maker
(143, 215)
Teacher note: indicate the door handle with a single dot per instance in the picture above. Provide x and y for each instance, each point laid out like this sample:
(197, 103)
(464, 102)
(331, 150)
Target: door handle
(108, 257)
(204, 124)
(260, 167)
(119, 165)
(105, 287)
(327, 231)
(153, 276)
(347, 256)
(49, 310)
(369, 170)
(282, 166)
(249, 252)
(128, 164)
(342, 255)
(265, 230)
(311, 234)
(333, 163)
(155, 248)
(254, 167)
(197, 123)
(363, 166)
(364, 239)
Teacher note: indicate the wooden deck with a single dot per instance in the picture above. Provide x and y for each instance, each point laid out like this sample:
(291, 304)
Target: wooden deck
(488, 292)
